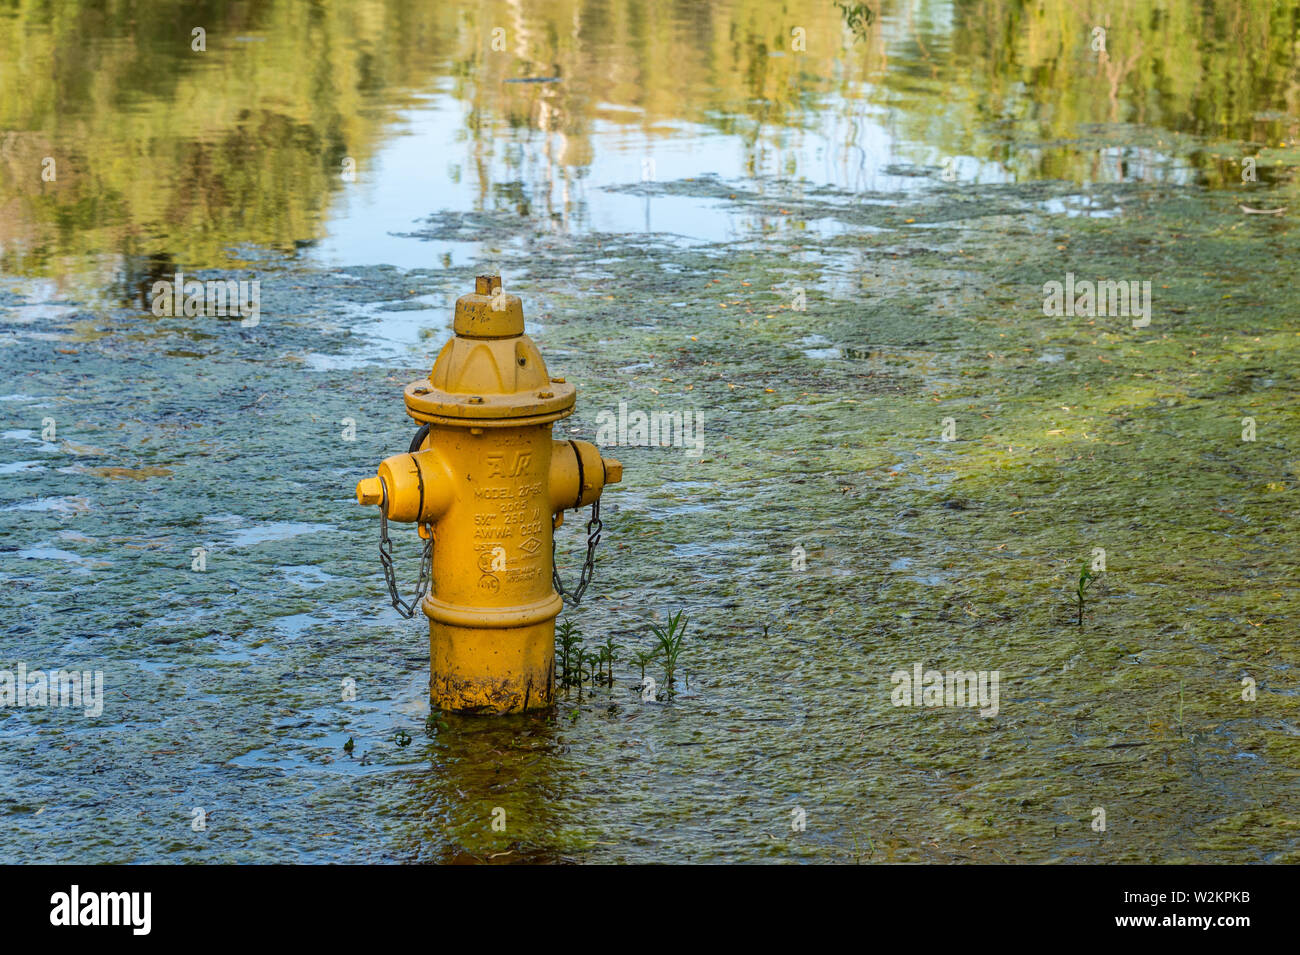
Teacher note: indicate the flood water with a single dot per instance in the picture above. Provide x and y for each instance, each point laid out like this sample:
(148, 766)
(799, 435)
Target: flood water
(830, 234)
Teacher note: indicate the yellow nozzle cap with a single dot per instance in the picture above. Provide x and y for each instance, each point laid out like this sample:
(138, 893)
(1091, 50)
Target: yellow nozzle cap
(613, 471)
(369, 491)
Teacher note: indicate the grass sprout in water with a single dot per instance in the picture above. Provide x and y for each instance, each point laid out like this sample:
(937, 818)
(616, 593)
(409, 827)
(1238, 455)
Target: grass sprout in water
(609, 651)
(569, 638)
(1086, 577)
(643, 658)
(670, 639)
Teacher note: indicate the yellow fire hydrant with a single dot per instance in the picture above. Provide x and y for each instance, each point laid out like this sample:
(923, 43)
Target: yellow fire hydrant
(487, 486)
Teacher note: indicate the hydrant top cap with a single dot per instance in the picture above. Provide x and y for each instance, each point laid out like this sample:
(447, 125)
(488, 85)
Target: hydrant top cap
(488, 311)
(490, 373)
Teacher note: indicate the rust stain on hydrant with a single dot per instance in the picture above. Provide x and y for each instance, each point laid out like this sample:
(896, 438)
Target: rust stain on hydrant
(487, 486)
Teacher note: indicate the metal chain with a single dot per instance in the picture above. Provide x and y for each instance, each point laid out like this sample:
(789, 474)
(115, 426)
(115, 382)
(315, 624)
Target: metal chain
(405, 608)
(589, 566)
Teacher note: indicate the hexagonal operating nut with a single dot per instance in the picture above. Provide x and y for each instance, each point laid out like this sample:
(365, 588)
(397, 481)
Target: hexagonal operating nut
(370, 491)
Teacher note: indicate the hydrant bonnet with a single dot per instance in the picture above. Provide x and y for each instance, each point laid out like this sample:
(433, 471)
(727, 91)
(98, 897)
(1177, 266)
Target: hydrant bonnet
(490, 370)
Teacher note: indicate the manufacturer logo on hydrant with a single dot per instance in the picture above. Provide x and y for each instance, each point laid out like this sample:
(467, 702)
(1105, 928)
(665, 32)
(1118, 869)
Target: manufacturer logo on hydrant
(487, 485)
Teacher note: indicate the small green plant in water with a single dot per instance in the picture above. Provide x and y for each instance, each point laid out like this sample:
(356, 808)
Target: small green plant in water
(586, 669)
(349, 746)
(610, 652)
(643, 658)
(569, 638)
(433, 724)
(670, 640)
(402, 738)
(869, 848)
(595, 665)
(1086, 577)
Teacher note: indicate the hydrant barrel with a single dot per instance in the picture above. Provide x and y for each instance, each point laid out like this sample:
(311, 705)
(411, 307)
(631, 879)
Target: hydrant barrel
(490, 484)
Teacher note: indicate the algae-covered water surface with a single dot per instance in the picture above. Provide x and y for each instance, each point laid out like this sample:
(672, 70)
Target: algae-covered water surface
(982, 321)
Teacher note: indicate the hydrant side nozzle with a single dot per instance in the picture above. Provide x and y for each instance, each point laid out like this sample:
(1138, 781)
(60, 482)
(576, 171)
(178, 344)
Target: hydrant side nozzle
(419, 487)
(579, 474)
(370, 491)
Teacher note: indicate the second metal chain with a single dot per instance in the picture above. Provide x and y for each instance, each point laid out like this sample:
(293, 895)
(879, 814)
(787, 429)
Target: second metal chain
(589, 565)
